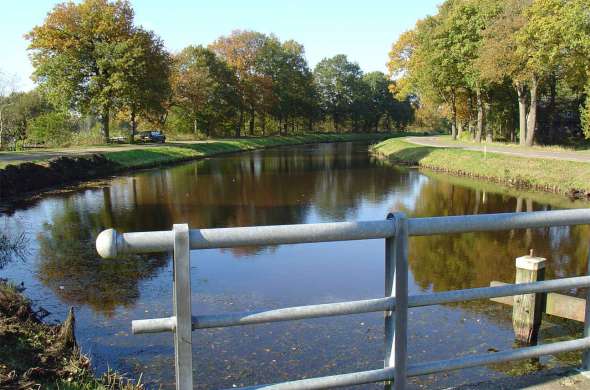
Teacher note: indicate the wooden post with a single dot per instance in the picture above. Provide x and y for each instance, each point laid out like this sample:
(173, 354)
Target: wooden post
(528, 308)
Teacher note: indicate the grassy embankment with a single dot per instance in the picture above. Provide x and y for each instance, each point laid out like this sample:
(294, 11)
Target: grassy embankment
(173, 152)
(564, 177)
(35, 355)
(87, 164)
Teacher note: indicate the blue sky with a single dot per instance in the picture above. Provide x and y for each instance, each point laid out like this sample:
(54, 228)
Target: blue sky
(363, 30)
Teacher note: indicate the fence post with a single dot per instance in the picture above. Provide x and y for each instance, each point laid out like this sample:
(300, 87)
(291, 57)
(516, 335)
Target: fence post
(528, 308)
(183, 354)
(396, 284)
(586, 354)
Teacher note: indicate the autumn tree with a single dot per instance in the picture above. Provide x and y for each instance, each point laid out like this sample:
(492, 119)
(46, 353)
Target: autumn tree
(241, 51)
(204, 87)
(76, 54)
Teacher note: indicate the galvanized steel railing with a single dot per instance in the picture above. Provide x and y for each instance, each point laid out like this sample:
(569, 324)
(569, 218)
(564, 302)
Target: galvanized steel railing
(395, 230)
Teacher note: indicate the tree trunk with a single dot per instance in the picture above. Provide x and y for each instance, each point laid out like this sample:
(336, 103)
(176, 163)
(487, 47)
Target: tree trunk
(252, 118)
(520, 90)
(470, 126)
(239, 125)
(263, 125)
(195, 127)
(459, 129)
(532, 117)
(1, 128)
(479, 104)
(489, 130)
(453, 116)
(553, 125)
(104, 122)
(133, 128)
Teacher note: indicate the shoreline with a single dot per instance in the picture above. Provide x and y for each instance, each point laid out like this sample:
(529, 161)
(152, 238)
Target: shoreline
(28, 178)
(35, 354)
(567, 178)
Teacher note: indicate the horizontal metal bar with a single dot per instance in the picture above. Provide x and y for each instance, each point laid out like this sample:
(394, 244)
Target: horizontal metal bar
(387, 374)
(497, 291)
(290, 234)
(154, 325)
(329, 382)
(358, 307)
(498, 357)
(293, 313)
(501, 221)
(276, 315)
(110, 243)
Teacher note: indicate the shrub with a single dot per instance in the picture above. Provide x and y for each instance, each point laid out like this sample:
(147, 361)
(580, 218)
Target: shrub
(51, 129)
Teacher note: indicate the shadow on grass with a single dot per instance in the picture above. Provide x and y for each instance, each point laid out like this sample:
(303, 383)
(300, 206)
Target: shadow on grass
(412, 155)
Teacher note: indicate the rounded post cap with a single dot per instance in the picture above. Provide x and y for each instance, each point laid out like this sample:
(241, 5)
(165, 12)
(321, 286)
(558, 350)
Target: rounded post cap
(106, 244)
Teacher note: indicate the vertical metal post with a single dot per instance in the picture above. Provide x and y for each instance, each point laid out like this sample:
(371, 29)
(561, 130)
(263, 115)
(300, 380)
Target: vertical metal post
(396, 284)
(586, 354)
(183, 354)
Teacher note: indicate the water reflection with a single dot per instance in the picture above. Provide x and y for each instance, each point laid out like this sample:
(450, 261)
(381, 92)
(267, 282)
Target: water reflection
(319, 183)
(277, 187)
(447, 262)
(70, 266)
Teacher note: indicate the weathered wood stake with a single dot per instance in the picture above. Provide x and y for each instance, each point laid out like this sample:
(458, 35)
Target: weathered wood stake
(528, 308)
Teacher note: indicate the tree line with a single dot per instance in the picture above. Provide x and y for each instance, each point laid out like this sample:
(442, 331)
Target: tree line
(94, 67)
(511, 70)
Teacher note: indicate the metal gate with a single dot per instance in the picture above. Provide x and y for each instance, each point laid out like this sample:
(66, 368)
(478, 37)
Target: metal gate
(395, 229)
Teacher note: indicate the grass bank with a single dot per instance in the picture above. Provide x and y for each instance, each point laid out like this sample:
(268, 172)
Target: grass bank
(35, 355)
(175, 152)
(26, 177)
(564, 177)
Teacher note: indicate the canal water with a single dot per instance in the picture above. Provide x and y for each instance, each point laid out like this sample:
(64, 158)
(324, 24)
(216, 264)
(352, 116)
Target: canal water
(303, 184)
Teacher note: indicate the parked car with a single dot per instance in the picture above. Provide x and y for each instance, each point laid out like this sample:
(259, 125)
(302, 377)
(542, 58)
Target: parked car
(152, 136)
(118, 140)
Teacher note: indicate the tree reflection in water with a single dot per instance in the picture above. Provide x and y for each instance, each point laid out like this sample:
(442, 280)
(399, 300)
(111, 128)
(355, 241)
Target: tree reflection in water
(274, 187)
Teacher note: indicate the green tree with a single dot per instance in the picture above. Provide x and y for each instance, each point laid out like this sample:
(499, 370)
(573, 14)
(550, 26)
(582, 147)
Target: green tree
(293, 91)
(142, 78)
(337, 80)
(500, 59)
(18, 110)
(204, 87)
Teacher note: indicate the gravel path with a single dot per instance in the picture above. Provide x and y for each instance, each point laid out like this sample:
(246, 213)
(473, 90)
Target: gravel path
(46, 154)
(442, 142)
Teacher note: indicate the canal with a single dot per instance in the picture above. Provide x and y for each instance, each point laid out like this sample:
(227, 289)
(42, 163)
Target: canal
(303, 184)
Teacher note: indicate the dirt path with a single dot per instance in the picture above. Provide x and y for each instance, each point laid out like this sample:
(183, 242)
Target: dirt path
(442, 142)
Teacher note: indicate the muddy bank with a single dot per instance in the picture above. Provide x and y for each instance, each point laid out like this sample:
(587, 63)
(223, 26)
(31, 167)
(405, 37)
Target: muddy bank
(16, 180)
(37, 355)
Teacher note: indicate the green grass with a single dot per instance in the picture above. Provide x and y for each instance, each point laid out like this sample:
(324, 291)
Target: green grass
(173, 152)
(565, 177)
